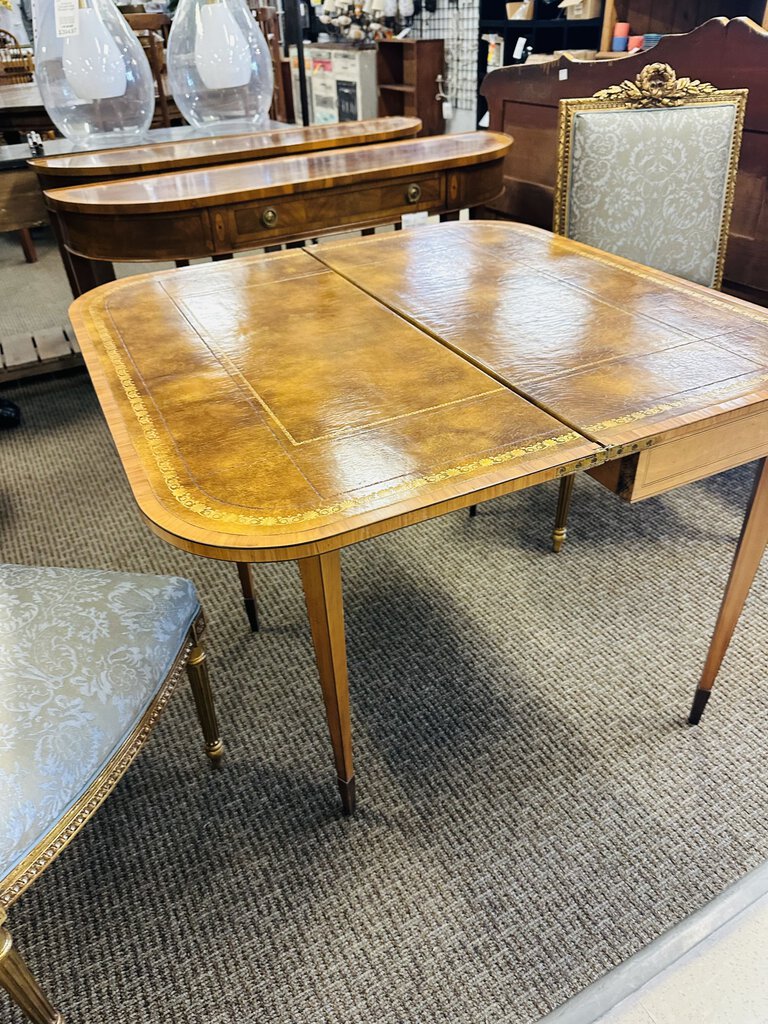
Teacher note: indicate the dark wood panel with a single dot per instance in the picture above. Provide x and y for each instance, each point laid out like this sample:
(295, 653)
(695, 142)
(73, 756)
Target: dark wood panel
(21, 204)
(523, 102)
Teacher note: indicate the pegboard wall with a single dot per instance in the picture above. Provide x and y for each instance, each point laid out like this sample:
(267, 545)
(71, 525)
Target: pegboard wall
(456, 22)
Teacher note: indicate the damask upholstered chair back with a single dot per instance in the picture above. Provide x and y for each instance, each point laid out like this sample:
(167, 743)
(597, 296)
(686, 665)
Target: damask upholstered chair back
(647, 170)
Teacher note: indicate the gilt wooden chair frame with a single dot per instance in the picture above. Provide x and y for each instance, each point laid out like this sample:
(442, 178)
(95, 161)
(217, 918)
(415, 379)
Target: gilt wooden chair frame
(15, 977)
(656, 87)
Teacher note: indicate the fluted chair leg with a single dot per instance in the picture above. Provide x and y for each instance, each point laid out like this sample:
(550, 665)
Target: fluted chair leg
(16, 978)
(563, 508)
(197, 671)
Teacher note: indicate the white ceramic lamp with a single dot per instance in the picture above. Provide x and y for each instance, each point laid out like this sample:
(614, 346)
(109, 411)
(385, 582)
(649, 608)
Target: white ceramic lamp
(92, 62)
(222, 54)
(219, 66)
(92, 72)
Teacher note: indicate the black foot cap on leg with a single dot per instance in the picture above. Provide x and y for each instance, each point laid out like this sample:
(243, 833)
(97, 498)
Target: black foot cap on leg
(252, 612)
(697, 708)
(472, 511)
(10, 415)
(347, 790)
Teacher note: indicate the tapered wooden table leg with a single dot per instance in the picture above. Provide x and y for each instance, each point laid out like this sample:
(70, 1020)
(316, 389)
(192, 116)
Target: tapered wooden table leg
(28, 246)
(249, 595)
(321, 578)
(749, 552)
(563, 508)
(16, 978)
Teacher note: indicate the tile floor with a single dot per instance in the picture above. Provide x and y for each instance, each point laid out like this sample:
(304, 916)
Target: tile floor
(711, 969)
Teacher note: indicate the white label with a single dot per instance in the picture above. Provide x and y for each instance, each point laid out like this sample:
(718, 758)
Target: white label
(413, 220)
(562, 74)
(517, 53)
(447, 110)
(66, 18)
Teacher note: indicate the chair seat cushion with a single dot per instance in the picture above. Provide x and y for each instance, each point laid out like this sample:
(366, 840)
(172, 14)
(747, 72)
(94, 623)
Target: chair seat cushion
(82, 654)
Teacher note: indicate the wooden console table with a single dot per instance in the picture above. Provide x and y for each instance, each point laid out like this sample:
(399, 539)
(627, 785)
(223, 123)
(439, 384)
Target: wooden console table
(165, 150)
(85, 168)
(221, 210)
(360, 387)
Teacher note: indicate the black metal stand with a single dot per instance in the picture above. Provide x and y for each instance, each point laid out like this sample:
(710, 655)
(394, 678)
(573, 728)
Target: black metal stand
(294, 34)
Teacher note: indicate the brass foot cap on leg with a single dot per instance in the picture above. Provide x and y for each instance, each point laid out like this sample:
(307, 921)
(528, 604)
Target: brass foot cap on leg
(697, 708)
(347, 790)
(215, 750)
(558, 539)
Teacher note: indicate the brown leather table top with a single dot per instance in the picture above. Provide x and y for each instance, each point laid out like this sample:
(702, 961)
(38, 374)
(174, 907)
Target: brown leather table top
(153, 158)
(183, 190)
(269, 408)
(619, 351)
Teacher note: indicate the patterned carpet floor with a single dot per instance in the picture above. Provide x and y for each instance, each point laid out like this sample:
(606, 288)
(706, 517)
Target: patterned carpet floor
(532, 806)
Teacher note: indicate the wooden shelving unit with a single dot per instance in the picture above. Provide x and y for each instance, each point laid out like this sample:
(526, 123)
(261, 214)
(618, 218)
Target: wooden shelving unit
(407, 72)
(667, 16)
(550, 30)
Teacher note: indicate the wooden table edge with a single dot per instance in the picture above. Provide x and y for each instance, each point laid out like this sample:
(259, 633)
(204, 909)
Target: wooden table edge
(47, 166)
(57, 201)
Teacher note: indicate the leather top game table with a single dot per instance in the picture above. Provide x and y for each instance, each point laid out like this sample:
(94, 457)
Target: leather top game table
(360, 387)
(219, 210)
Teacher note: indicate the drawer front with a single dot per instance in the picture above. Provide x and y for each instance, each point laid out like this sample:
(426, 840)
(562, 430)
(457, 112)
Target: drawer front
(327, 210)
(702, 453)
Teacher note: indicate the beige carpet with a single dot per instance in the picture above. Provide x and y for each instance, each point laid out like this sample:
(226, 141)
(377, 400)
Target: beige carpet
(533, 807)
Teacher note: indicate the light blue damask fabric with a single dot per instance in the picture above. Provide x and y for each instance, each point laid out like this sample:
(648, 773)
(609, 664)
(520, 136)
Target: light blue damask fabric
(82, 653)
(650, 185)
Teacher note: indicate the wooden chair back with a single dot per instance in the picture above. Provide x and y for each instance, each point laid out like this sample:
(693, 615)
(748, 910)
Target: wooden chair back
(269, 23)
(17, 62)
(523, 102)
(153, 31)
(647, 170)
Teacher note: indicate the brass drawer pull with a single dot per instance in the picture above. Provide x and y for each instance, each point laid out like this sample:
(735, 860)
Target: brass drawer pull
(269, 217)
(413, 193)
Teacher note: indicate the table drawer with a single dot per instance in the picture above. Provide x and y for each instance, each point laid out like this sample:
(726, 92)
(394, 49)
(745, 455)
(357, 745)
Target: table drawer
(312, 213)
(701, 453)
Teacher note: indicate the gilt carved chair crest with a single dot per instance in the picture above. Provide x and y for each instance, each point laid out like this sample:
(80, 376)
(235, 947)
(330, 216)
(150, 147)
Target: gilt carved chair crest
(647, 168)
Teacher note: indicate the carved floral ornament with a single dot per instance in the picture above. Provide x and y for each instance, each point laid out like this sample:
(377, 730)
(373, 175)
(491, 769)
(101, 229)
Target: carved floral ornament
(657, 85)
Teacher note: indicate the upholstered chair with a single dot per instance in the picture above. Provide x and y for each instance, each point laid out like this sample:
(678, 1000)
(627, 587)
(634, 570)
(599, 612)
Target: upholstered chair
(88, 661)
(647, 171)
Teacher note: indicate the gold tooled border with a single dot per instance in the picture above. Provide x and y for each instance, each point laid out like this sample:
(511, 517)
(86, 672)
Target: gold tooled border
(160, 453)
(567, 110)
(736, 385)
(65, 830)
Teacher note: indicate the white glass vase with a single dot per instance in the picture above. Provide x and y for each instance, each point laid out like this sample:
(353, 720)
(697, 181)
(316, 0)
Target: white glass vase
(219, 66)
(93, 74)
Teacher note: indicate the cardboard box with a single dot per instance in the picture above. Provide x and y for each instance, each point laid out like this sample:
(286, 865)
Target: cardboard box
(520, 11)
(581, 10)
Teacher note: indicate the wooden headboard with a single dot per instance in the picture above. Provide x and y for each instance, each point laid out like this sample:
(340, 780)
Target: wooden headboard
(523, 102)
